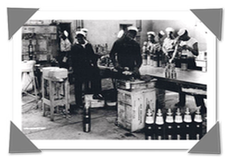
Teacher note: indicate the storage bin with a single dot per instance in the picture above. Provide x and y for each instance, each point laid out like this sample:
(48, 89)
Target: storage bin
(132, 108)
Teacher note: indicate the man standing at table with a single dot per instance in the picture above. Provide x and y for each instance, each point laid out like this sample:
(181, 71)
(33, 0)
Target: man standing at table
(188, 46)
(83, 62)
(154, 48)
(169, 43)
(126, 55)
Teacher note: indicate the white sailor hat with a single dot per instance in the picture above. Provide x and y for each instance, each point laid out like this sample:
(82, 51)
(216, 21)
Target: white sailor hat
(169, 29)
(181, 31)
(132, 28)
(80, 33)
(84, 30)
(65, 33)
(120, 34)
(151, 33)
(162, 32)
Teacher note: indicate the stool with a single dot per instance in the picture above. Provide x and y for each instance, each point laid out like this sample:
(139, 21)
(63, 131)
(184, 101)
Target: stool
(55, 92)
(28, 80)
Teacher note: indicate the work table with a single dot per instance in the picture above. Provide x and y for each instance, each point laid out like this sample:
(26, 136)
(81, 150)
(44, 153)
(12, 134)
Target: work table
(189, 81)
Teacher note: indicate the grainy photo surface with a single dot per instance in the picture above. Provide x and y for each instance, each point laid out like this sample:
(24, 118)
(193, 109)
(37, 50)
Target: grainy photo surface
(114, 79)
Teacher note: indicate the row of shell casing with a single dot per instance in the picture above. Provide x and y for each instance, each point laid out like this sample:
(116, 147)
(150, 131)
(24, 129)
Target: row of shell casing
(173, 127)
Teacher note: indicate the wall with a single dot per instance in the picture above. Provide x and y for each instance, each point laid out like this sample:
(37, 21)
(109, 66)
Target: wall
(104, 31)
(146, 26)
(99, 31)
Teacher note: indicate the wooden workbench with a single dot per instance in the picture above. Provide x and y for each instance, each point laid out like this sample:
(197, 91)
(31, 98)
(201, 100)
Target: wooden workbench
(192, 79)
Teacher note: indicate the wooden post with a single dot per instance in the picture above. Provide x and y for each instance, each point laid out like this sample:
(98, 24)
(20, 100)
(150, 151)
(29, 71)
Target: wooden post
(43, 95)
(66, 84)
(51, 96)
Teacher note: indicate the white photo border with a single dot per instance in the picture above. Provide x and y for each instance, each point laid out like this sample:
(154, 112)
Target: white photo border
(45, 14)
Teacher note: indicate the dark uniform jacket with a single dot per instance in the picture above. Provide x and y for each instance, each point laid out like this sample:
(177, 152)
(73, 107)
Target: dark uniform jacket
(83, 60)
(128, 53)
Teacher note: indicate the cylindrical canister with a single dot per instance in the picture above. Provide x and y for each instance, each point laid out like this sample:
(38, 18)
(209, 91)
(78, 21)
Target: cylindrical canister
(149, 126)
(87, 117)
(198, 125)
(169, 129)
(187, 125)
(178, 125)
(159, 124)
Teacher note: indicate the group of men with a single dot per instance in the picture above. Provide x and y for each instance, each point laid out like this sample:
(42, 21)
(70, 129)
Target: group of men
(80, 56)
(125, 54)
(171, 47)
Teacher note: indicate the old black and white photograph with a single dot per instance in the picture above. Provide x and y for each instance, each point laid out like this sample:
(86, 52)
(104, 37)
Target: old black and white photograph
(114, 79)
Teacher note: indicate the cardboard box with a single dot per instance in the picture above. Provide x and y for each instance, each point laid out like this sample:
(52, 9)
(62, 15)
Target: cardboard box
(132, 107)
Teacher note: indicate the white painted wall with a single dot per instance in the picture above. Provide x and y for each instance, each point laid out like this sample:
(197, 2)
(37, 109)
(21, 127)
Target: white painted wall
(104, 31)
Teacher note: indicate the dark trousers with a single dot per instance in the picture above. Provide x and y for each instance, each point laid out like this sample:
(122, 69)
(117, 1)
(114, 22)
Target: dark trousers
(61, 56)
(190, 63)
(199, 100)
(91, 76)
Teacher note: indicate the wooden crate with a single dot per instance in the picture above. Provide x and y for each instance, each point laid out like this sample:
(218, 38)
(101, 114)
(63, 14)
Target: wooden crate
(134, 85)
(132, 108)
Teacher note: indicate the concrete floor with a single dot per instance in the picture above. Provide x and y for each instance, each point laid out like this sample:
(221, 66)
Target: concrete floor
(37, 127)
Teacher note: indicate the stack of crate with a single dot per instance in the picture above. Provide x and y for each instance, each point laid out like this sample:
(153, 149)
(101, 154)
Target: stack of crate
(133, 104)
